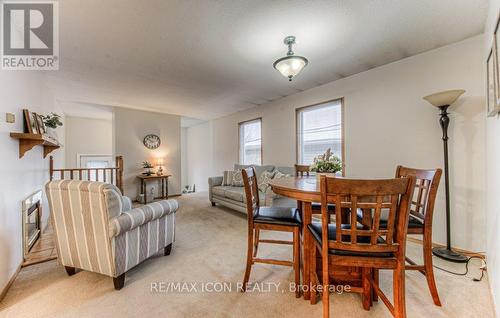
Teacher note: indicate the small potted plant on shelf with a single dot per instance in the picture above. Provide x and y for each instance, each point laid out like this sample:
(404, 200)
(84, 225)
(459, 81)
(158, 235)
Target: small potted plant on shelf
(148, 166)
(326, 164)
(52, 121)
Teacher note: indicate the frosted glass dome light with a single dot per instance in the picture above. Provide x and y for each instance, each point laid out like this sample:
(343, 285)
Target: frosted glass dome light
(290, 65)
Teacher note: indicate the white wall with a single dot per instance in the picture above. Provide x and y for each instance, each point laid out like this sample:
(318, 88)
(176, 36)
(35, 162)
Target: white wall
(20, 177)
(87, 136)
(493, 175)
(388, 123)
(130, 127)
(200, 155)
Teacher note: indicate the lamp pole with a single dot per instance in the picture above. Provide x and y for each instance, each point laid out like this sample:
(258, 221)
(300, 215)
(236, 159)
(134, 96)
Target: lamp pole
(447, 253)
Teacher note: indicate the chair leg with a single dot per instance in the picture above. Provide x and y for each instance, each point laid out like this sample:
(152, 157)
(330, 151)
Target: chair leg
(367, 290)
(314, 269)
(70, 270)
(326, 284)
(249, 258)
(399, 291)
(429, 270)
(375, 279)
(296, 260)
(167, 249)
(119, 281)
(256, 242)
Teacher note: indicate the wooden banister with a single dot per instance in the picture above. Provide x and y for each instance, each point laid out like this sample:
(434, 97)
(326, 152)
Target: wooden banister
(116, 172)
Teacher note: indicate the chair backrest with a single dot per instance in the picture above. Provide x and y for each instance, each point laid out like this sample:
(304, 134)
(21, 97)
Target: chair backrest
(251, 192)
(80, 213)
(300, 170)
(392, 195)
(426, 186)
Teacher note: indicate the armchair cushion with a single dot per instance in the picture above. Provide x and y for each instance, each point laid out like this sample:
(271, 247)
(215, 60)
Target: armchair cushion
(129, 220)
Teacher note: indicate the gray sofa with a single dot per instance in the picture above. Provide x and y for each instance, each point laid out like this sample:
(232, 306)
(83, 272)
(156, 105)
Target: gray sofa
(234, 196)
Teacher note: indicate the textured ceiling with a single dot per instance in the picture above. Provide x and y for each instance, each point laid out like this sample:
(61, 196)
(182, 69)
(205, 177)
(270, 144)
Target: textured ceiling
(209, 58)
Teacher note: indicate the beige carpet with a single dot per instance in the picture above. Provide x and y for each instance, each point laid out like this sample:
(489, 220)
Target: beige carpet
(210, 247)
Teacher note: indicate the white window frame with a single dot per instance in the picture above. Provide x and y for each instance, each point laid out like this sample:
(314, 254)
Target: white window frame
(299, 134)
(241, 155)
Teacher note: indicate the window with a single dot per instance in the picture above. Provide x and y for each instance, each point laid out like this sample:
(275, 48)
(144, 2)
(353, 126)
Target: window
(319, 127)
(93, 162)
(251, 142)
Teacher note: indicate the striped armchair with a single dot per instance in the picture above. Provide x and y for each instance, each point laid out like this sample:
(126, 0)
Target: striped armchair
(97, 230)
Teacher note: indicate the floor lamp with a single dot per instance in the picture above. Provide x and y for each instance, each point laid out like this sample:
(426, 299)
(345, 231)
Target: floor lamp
(443, 100)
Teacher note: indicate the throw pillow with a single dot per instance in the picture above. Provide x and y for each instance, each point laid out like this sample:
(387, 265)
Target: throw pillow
(263, 182)
(279, 175)
(237, 180)
(227, 178)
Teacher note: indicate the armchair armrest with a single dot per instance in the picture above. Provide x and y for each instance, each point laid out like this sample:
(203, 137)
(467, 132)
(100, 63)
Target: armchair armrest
(212, 182)
(126, 204)
(129, 220)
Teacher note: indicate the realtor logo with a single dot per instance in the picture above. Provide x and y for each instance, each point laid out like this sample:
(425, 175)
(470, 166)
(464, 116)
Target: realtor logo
(30, 35)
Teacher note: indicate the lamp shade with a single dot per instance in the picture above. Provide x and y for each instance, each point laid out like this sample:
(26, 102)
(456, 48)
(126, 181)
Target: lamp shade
(290, 66)
(444, 98)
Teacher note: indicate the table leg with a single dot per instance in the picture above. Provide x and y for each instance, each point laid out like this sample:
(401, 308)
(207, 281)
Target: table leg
(166, 188)
(144, 191)
(306, 219)
(162, 188)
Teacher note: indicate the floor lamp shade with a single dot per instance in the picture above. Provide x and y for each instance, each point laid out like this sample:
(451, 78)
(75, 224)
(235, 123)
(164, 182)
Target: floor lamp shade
(443, 100)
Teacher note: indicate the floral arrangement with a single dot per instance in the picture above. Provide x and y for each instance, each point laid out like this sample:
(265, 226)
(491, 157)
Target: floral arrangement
(147, 165)
(327, 163)
(52, 120)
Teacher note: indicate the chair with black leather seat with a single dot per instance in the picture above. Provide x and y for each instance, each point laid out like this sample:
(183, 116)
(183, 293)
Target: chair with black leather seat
(273, 219)
(420, 221)
(367, 246)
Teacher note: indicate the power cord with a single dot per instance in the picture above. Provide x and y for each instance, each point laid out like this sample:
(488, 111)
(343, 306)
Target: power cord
(482, 268)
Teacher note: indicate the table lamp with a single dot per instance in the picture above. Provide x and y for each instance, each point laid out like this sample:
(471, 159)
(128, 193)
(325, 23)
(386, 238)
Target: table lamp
(159, 164)
(443, 100)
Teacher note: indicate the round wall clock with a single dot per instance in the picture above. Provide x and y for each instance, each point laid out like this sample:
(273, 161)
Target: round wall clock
(152, 141)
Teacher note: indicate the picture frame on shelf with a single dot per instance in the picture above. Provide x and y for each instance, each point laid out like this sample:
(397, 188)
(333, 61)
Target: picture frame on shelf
(29, 125)
(491, 85)
(41, 125)
(34, 119)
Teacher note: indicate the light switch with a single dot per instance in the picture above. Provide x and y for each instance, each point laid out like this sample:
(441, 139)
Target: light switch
(10, 118)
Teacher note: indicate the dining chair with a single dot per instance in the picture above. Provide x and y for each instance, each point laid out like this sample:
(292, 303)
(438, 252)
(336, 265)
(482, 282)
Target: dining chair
(420, 221)
(368, 247)
(282, 219)
(300, 170)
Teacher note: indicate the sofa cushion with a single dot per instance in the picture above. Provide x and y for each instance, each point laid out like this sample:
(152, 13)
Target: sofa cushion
(227, 178)
(264, 179)
(236, 194)
(220, 190)
(286, 170)
(258, 169)
(237, 180)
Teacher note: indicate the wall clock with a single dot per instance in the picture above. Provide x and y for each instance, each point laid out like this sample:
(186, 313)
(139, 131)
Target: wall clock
(151, 141)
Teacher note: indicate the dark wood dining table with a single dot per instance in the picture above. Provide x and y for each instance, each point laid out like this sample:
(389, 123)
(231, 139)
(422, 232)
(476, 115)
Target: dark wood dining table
(305, 190)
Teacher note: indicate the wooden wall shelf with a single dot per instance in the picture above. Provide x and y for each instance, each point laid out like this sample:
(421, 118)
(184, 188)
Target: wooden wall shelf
(28, 141)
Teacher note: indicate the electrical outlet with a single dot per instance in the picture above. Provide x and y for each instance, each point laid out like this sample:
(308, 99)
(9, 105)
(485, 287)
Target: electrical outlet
(10, 118)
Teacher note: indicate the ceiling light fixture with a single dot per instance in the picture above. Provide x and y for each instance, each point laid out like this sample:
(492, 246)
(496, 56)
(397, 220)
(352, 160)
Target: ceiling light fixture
(290, 65)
